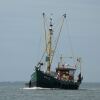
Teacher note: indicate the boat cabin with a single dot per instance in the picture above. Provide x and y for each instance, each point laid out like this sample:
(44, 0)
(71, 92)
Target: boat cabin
(65, 73)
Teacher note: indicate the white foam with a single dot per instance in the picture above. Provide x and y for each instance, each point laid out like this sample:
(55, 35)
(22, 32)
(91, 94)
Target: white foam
(34, 88)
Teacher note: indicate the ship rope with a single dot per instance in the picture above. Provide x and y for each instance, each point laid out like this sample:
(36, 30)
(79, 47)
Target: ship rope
(45, 32)
(64, 16)
(44, 22)
(70, 42)
(41, 58)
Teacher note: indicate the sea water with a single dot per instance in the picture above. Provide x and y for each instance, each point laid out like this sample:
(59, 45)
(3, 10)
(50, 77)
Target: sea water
(17, 91)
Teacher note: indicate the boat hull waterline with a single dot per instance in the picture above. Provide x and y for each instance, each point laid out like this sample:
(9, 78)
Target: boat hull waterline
(44, 80)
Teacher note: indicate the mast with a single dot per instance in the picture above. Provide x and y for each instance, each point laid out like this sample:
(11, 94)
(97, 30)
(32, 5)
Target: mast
(49, 47)
(48, 39)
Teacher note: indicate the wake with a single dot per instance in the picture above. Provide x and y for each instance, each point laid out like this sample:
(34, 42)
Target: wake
(35, 88)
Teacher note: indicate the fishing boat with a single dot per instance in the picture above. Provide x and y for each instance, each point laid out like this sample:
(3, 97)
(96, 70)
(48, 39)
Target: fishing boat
(63, 77)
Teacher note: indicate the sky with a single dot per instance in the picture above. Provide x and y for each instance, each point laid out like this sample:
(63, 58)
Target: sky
(21, 29)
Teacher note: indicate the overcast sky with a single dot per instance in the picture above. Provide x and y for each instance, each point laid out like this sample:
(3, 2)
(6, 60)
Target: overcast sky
(21, 28)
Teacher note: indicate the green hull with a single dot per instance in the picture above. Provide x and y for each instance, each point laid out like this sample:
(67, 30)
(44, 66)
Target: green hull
(44, 80)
